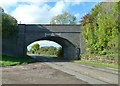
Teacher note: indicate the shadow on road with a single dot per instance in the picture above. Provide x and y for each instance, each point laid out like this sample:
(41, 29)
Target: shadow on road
(48, 59)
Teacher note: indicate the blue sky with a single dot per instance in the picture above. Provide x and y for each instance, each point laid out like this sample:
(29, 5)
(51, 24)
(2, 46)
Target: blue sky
(42, 11)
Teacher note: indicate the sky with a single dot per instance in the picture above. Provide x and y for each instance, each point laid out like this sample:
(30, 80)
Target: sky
(42, 11)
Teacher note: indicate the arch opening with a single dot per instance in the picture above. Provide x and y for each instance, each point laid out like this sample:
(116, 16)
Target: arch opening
(45, 48)
(63, 48)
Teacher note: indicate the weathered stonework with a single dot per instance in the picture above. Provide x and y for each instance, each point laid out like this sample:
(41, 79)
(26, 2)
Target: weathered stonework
(68, 36)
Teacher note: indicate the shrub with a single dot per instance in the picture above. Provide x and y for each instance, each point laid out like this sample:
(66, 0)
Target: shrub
(60, 52)
(9, 25)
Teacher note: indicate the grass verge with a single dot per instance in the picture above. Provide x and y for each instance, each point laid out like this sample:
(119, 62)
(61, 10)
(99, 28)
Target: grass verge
(97, 64)
(12, 61)
(47, 55)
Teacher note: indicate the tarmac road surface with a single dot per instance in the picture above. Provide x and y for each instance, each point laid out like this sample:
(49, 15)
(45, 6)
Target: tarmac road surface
(37, 73)
(92, 75)
(51, 71)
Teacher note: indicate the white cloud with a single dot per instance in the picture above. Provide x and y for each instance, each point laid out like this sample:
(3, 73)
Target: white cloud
(58, 8)
(5, 4)
(32, 13)
(74, 2)
(36, 11)
(77, 15)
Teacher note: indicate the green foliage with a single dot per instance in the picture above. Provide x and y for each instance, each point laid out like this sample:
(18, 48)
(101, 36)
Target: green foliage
(100, 29)
(48, 50)
(43, 50)
(108, 58)
(65, 18)
(60, 52)
(97, 64)
(9, 25)
(35, 48)
(11, 61)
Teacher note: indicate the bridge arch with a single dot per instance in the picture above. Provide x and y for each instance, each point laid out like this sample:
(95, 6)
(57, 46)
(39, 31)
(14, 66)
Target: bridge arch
(69, 49)
(60, 40)
(68, 36)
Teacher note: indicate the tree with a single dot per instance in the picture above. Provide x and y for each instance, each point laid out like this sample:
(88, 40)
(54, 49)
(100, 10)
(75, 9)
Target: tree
(52, 50)
(1, 9)
(48, 50)
(86, 19)
(100, 29)
(60, 52)
(65, 18)
(35, 48)
(9, 25)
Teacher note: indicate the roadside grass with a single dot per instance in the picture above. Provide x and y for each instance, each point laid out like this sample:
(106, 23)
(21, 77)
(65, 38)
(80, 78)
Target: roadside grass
(97, 64)
(47, 55)
(12, 61)
(108, 60)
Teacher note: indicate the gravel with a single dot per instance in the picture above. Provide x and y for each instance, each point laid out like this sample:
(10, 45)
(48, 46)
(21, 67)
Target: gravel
(37, 73)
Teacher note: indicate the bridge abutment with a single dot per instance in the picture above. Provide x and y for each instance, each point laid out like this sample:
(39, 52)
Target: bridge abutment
(21, 48)
(71, 53)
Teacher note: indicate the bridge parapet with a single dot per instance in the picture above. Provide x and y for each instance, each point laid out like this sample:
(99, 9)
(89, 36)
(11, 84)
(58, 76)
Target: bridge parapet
(52, 28)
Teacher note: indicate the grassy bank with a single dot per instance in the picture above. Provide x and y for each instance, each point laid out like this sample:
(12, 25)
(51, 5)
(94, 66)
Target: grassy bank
(12, 61)
(97, 64)
(110, 61)
(48, 55)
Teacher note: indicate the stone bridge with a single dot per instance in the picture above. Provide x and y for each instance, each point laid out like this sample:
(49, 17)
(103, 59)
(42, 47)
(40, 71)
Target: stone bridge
(68, 36)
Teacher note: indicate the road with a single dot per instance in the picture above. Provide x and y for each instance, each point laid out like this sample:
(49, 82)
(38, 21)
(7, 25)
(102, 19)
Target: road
(37, 73)
(53, 71)
(92, 75)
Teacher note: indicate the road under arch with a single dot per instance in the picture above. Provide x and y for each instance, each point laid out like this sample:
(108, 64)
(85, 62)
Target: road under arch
(70, 51)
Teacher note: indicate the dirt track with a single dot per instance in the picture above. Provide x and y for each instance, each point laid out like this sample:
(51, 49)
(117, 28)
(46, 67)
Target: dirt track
(36, 73)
